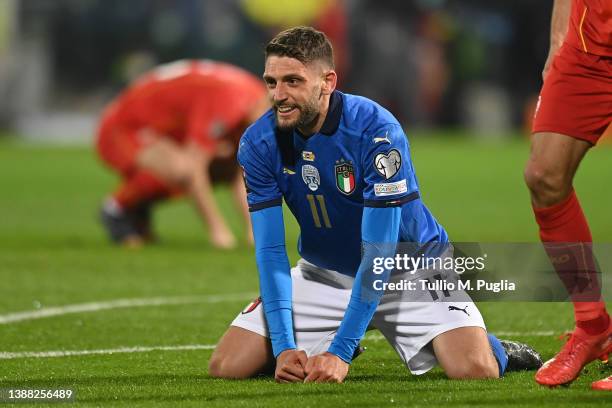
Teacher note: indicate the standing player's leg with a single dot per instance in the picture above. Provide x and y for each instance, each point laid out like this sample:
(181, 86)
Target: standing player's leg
(572, 113)
(549, 174)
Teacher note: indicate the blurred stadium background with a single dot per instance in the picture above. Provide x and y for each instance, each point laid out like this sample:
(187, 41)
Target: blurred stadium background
(473, 64)
(458, 74)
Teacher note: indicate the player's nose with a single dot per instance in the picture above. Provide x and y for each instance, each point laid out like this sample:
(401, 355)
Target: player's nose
(280, 93)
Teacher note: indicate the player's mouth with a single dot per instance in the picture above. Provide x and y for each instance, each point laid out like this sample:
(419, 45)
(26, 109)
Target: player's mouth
(285, 111)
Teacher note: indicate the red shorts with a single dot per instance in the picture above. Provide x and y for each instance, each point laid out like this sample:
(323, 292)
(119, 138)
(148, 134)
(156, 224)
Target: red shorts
(576, 99)
(118, 145)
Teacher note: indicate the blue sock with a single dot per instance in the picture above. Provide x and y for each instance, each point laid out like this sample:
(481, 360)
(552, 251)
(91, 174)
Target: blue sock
(499, 353)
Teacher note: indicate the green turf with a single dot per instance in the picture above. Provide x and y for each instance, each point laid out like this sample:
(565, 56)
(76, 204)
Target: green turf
(53, 253)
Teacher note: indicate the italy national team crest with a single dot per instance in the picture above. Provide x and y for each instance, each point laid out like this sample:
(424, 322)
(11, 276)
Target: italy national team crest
(345, 177)
(310, 175)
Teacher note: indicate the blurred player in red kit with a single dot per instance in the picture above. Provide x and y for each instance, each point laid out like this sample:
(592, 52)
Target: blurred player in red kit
(168, 134)
(573, 111)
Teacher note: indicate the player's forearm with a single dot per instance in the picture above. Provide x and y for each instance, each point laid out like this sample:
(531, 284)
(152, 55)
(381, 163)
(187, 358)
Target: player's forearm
(200, 189)
(380, 231)
(240, 197)
(274, 276)
(559, 23)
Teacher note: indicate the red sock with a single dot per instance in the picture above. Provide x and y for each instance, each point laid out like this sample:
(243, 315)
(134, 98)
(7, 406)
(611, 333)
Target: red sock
(565, 226)
(141, 187)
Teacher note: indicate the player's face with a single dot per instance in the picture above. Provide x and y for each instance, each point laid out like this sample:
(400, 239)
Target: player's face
(295, 92)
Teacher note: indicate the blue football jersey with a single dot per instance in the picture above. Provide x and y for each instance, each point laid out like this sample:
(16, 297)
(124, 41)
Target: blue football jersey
(360, 157)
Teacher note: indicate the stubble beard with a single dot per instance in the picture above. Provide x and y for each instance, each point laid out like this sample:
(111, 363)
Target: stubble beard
(308, 115)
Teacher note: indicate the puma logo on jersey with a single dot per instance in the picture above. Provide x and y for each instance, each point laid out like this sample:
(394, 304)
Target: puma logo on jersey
(385, 138)
(287, 171)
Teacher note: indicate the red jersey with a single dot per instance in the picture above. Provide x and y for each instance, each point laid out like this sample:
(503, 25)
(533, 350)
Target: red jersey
(590, 27)
(197, 100)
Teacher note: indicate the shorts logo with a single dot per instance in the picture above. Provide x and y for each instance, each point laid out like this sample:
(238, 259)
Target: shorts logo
(459, 309)
(387, 189)
(310, 175)
(252, 306)
(345, 177)
(388, 164)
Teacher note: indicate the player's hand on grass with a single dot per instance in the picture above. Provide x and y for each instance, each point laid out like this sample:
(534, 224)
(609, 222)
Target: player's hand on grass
(222, 238)
(290, 366)
(326, 367)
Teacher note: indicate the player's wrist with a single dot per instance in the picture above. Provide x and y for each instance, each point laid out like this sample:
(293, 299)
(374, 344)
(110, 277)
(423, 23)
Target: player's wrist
(280, 355)
(277, 350)
(341, 353)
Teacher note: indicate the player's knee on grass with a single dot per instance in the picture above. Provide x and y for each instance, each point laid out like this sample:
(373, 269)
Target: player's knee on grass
(241, 354)
(475, 366)
(465, 353)
(226, 366)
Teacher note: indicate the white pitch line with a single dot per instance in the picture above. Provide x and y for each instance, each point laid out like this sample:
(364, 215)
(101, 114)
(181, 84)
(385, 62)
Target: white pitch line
(118, 304)
(69, 353)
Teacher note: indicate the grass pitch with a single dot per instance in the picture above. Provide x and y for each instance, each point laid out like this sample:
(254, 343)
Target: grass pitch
(152, 316)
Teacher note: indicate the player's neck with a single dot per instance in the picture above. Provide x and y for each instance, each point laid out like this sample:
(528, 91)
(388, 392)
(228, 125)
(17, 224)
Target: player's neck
(317, 123)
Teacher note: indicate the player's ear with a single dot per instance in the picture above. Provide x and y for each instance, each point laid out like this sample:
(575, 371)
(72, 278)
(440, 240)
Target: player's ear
(330, 79)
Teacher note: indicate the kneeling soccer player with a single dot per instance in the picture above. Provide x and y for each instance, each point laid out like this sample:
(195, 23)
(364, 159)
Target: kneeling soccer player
(342, 164)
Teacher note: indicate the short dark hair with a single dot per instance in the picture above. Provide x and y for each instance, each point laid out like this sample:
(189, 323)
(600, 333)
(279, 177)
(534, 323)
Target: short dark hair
(305, 44)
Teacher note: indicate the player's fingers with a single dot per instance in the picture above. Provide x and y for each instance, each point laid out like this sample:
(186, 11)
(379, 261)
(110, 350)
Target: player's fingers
(324, 377)
(302, 358)
(313, 376)
(294, 369)
(283, 375)
(335, 379)
(310, 363)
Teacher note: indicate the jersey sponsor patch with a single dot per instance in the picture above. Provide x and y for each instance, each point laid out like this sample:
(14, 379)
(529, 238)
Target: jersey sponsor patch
(252, 306)
(345, 177)
(387, 189)
(308, 156)
(310, 175)
(388, 164)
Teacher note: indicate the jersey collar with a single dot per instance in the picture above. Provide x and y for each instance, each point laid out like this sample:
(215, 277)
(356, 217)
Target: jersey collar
(334, 114)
